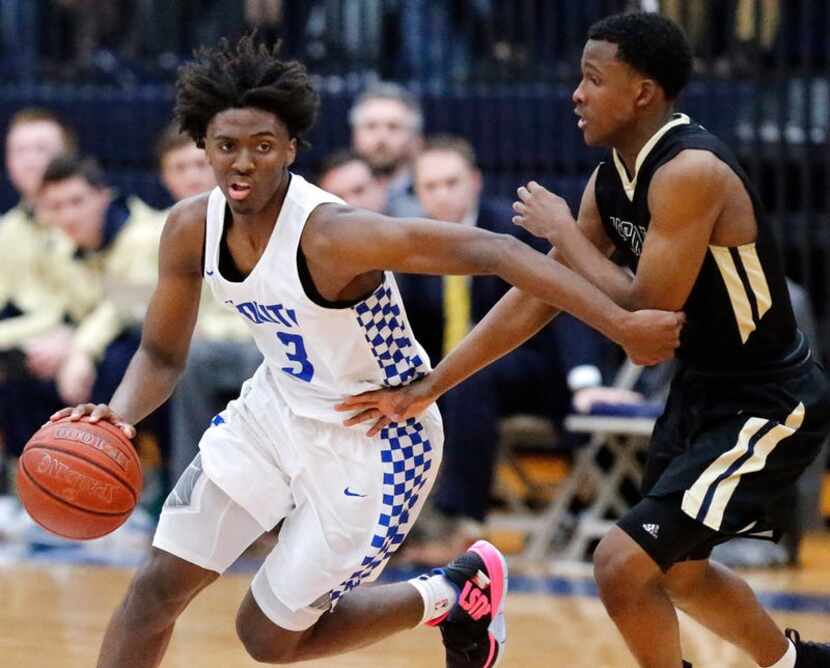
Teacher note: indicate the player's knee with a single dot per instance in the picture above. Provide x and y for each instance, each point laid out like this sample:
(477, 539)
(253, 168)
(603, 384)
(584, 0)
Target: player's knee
(165, 584)
(683, 580)
(262, 650)
(620, 569)
(264, 646)
(264, 641)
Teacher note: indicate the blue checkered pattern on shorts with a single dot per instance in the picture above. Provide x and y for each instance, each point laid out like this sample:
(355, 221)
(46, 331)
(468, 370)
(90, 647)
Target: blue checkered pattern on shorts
(385, 330)
(407, 461)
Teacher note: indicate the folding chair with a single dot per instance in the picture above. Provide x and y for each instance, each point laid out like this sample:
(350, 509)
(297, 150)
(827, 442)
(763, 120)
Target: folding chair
(623, 437)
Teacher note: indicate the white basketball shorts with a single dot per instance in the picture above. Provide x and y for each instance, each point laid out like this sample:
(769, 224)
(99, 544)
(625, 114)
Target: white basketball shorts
(347, 501)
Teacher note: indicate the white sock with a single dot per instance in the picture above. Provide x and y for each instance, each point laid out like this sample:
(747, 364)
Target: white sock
(438, 593)
(788, 660)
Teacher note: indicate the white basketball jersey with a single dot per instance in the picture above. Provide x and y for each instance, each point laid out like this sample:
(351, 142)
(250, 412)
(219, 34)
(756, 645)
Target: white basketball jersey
(316, 355)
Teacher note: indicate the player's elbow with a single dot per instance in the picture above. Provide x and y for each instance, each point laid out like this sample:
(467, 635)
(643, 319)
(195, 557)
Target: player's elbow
(171, 362)
(633, 301)
(637, 299)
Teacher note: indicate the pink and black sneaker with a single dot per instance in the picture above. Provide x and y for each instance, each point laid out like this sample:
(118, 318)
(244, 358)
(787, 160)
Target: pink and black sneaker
(474, 631)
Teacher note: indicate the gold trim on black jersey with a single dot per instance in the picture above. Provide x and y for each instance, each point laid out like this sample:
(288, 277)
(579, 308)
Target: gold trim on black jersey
(749, 295)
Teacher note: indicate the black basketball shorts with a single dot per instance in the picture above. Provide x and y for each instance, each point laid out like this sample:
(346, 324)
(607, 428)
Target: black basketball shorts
(724, 452)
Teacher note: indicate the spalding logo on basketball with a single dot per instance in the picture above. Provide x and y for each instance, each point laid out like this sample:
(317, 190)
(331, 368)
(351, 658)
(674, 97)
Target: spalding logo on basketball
(79, 480)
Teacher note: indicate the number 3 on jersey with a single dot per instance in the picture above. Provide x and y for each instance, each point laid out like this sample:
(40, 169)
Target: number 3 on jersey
(295, 352)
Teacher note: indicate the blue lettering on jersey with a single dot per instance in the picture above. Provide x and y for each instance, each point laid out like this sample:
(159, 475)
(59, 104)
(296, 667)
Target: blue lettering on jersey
(295, 352)
(277, 314)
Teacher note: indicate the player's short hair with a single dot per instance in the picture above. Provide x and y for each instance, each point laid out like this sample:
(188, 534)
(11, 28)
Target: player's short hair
(650, 43)
(171, 139)
(245, 74)
(337, 159)
(40, 115)
(452, 143)
(66, 167)
(389, 90)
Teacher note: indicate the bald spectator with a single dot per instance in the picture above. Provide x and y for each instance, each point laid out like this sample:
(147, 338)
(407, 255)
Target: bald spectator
(349, 177)
(386, 122)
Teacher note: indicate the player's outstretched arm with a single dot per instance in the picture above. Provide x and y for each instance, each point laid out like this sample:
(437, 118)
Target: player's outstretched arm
(354, 242)
(513, 320)
(168, 326)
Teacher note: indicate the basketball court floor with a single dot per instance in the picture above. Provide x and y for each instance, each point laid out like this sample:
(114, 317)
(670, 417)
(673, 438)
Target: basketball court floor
(53, 615)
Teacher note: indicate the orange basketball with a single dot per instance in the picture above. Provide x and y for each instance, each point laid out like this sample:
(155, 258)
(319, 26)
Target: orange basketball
(79, 480)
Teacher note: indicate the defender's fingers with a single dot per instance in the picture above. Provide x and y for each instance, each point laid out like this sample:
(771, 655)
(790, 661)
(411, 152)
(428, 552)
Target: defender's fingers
(378, 426)
(353, 403)
(362, 416)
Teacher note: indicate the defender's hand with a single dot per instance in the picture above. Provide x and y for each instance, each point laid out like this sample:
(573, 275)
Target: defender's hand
(387, 406)
(651, 337)
(542, 213)
(94, 413)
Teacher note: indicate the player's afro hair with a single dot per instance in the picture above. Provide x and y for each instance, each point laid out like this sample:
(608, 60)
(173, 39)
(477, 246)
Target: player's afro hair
(651, 44)
(245, 74)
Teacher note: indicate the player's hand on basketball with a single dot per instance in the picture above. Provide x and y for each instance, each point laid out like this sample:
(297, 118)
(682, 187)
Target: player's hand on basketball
(387, 406)
(651, 337)
(542, 213)
(94, 413)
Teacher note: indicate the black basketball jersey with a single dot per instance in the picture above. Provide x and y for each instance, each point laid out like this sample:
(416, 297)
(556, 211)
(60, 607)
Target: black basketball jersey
(738, 313)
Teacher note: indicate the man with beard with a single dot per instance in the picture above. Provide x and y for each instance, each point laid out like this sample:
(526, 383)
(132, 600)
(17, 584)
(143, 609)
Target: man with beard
(386, 122)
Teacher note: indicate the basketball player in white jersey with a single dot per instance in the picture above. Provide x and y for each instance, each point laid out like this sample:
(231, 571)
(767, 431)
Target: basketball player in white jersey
(312, 279)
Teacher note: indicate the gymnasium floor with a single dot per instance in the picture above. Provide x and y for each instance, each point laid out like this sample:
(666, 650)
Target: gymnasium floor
(54, 612)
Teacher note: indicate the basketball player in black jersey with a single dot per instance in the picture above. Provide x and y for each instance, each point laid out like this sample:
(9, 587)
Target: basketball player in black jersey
(749, 407)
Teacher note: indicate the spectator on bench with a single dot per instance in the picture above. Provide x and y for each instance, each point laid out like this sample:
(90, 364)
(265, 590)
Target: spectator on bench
(32, 334)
